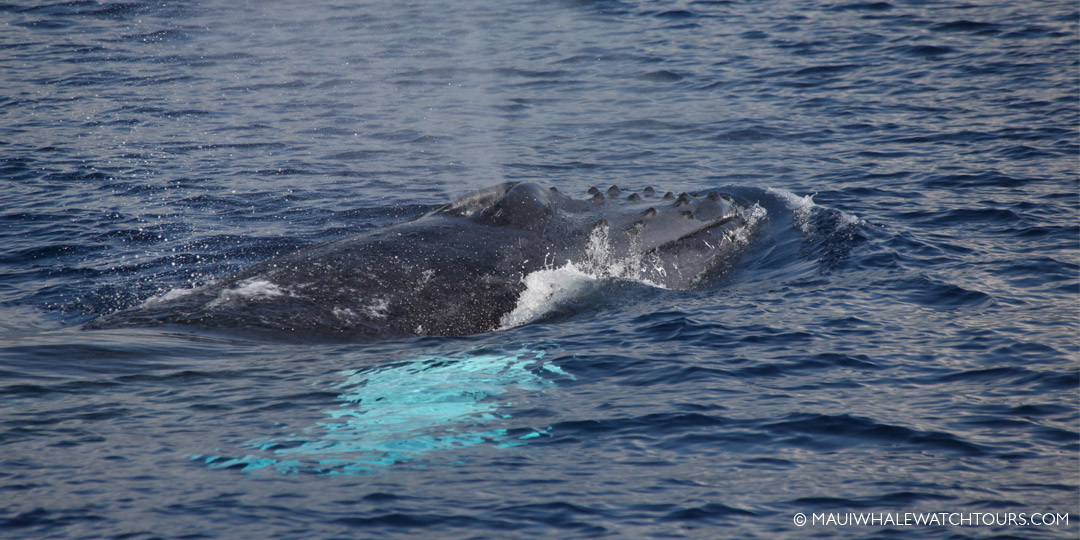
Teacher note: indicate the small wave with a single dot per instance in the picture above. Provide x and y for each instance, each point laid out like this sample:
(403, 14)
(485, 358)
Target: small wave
(662, 75)
(804, 207)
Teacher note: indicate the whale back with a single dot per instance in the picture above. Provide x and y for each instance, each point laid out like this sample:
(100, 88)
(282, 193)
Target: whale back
(460, 268)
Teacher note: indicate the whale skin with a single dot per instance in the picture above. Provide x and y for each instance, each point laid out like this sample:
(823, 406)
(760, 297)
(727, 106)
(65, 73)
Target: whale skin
(460, 268)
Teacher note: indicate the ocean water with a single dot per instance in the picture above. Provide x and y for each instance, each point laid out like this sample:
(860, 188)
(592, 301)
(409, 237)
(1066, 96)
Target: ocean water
(902, 336)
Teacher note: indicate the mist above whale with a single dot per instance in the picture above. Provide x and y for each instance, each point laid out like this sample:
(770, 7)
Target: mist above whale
(462, 268)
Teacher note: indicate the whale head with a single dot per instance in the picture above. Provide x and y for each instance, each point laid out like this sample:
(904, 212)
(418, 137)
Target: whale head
(664, 239)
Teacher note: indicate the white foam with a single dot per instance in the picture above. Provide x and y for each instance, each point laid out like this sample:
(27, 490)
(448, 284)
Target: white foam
(548, 288)
(602, 262)
(803, 206)
(851, 220)
(742, 235)
(545, 290)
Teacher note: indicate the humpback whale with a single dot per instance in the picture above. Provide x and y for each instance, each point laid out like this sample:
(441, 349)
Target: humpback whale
(460, 268)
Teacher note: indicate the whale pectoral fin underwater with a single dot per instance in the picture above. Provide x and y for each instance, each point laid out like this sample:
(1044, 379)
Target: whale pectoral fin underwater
(459, 269)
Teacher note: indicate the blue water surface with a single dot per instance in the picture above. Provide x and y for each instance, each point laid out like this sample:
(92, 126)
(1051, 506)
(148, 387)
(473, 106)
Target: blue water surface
(902, 335)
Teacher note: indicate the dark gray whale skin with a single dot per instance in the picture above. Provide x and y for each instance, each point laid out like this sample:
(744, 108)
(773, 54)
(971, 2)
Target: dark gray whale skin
(459, 269)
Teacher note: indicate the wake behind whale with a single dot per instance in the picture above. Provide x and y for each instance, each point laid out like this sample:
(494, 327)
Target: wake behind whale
(467, 267)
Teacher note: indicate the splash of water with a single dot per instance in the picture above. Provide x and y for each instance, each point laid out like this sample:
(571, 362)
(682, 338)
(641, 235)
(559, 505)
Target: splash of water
(551, 287)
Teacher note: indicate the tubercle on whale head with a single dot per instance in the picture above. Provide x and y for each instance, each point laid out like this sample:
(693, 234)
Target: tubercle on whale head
(475, 201)
(615, 193)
